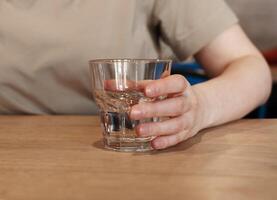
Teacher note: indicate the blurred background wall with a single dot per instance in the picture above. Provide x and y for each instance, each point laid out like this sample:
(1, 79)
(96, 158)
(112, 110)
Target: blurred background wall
(259, 20)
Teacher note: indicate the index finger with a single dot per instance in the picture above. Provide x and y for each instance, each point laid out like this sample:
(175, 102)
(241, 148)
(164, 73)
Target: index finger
(126, 85)
(169, 85)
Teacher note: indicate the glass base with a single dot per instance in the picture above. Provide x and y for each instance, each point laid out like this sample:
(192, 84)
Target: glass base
(127, 145)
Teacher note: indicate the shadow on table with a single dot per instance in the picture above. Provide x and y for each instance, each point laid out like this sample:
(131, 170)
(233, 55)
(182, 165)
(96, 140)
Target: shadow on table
(99, 145)
(183, 146)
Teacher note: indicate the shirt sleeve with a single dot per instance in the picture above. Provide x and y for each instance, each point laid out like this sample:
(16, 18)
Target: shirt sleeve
(189, 25)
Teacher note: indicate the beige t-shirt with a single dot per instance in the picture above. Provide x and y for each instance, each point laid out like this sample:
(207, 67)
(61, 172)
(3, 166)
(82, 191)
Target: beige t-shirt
(45, 45)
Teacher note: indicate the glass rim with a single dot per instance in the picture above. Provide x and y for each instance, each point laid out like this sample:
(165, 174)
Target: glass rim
(129, 60)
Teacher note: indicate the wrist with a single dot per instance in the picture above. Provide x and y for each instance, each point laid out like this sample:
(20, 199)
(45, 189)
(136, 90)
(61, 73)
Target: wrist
(204, 112)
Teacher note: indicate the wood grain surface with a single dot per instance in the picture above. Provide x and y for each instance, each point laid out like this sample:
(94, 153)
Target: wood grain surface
(62, 157)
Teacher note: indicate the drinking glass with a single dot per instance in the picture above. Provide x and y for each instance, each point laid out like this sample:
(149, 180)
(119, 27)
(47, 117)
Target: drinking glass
(117, 85)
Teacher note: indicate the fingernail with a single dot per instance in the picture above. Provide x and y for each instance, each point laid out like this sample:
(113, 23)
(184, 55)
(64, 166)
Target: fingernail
(142, 130)
(157, 144)
(149, 91)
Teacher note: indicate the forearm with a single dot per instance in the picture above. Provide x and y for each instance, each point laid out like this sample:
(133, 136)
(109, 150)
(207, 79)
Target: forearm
(244, 85)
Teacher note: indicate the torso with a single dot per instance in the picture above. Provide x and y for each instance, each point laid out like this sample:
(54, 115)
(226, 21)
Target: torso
(45, 47)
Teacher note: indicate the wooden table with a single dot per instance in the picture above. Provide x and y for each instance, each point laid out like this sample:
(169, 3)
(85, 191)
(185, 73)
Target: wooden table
(61, 157)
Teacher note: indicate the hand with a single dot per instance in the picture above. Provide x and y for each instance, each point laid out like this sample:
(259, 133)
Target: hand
(181, 107)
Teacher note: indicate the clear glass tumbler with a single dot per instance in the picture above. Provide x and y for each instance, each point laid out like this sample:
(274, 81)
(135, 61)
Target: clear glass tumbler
(117, 85)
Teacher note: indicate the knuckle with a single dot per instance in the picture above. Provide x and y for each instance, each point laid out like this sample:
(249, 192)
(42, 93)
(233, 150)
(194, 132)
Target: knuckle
(180, 125)
(182, 82)
(180, 105)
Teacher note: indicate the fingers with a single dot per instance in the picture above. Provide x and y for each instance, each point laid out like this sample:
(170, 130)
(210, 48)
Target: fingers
(152, 88)
(119, 85)
(125, 85)
(163, 142)
(165, 108)
(166, 127)
(169, 85)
